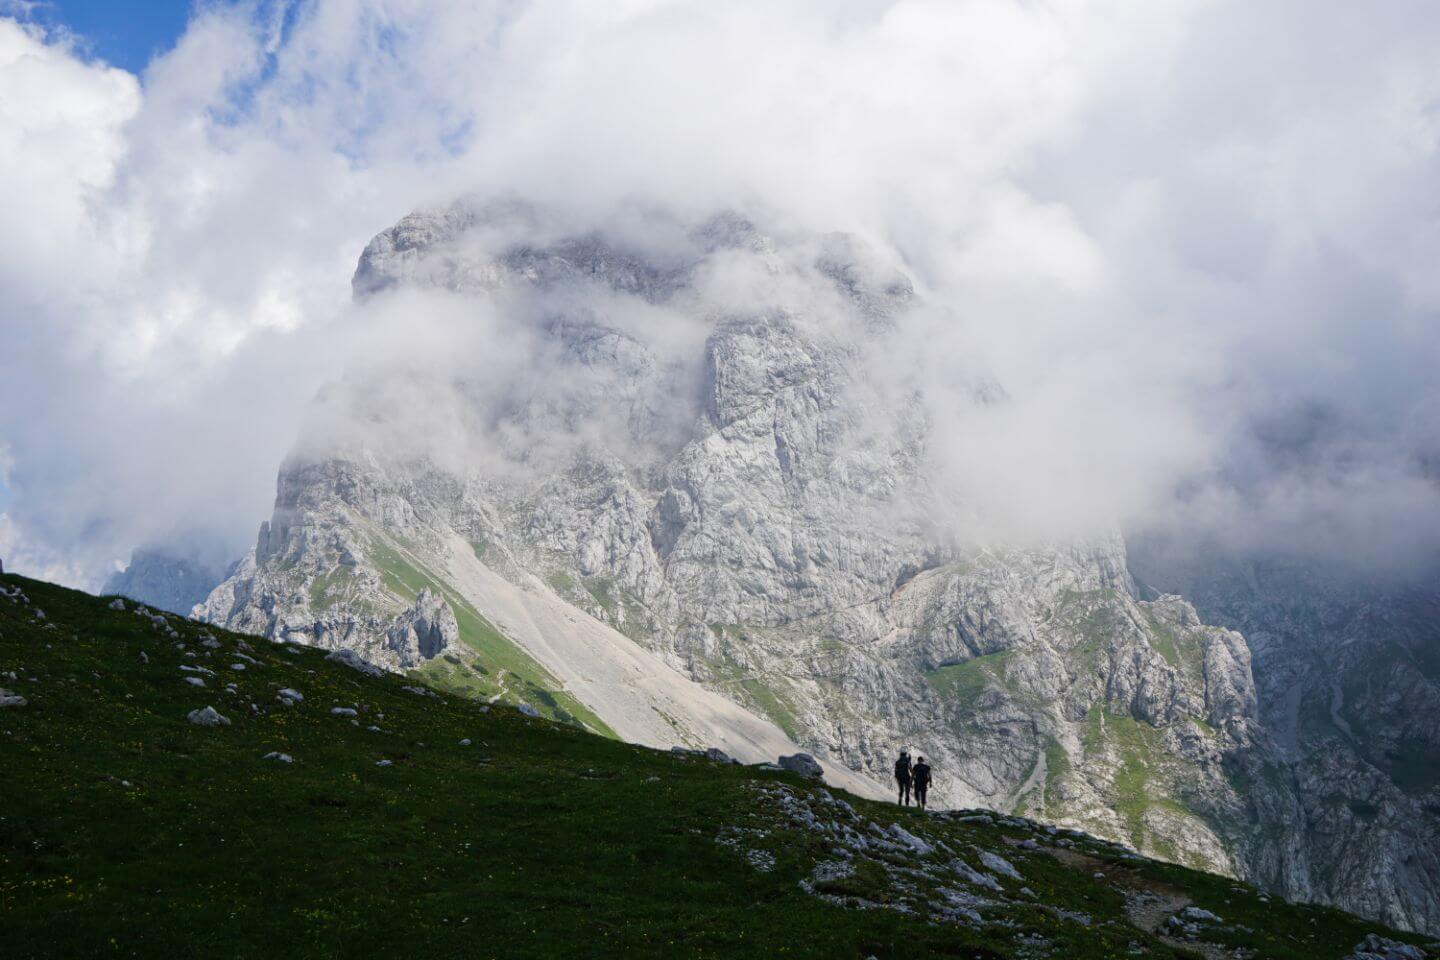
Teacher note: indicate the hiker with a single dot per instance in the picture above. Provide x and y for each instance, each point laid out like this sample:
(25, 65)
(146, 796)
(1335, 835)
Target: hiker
(921, 775)
(902, 777)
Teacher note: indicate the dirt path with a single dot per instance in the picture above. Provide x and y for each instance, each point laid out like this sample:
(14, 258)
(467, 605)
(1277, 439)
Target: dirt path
(1148, 905)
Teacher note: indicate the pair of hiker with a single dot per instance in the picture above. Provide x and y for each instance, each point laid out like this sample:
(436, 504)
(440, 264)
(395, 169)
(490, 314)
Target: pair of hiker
(908, 775)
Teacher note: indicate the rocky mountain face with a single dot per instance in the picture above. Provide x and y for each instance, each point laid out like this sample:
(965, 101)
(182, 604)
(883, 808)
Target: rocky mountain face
(1347, 668)
(670, 480)
(166, 579)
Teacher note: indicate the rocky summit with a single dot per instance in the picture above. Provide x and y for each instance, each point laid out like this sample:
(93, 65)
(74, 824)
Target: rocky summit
(677, 487)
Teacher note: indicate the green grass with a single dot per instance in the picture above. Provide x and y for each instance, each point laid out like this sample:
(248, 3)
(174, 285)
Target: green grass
(127, 832)
(1180, 650)
(328, 589)
(516, 675)
(773, 705)
(1057, 767)
(965, 682)
(1140, 784)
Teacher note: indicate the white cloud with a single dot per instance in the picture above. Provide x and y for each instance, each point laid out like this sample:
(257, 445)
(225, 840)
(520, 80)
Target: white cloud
(1165, 226)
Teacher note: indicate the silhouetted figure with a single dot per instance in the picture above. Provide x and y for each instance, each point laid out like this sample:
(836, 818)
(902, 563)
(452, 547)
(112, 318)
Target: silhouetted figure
(921, 775)
(902, 777)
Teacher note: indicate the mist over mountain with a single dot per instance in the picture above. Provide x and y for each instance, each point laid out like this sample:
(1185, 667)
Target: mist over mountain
(1164, 261)
(716, 452)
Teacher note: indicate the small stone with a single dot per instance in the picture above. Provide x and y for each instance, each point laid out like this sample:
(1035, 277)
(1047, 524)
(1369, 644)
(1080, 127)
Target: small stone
(465, 742)
(237, 666)
(342, 711)
(280, 757)
(383, 763)
(195, 681)
(117, 604)
(291, 696)
(207, 717)
(528, 710)
(11, 699)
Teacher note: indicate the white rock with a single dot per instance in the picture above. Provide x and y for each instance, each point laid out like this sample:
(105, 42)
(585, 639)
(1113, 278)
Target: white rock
(999, 865)
(207, 717)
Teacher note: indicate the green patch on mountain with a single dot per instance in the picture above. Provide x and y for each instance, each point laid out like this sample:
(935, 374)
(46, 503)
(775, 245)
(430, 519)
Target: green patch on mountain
(493, 651)
(1057, 768)
(440, 826)
(330, 588)
(562, 583)
(773, 704)
(1096, 617)
(965, 682)
(1139, 785)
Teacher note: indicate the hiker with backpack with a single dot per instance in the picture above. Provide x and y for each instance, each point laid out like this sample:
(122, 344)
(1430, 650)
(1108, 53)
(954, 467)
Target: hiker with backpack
(920, 774)
(902, 778)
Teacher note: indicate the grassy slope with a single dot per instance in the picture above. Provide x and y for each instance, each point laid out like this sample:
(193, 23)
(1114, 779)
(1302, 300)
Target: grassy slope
(509, 672)
(126, 831)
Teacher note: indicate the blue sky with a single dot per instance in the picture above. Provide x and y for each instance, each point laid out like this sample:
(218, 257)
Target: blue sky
(125, 33)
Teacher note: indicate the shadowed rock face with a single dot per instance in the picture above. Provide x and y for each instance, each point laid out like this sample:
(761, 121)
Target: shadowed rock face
(1348, 676)
(164, 579)
(731, 480)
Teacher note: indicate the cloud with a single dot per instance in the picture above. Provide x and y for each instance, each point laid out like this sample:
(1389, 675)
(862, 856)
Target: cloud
(1165, 226)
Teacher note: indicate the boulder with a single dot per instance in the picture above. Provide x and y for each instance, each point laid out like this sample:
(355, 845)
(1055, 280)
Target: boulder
(207, 717)
(11, 699)
(354, 661)
(803, 764)
(999, 864)
(423, 632)
(1375, 947)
